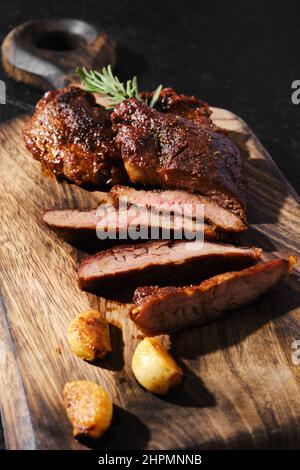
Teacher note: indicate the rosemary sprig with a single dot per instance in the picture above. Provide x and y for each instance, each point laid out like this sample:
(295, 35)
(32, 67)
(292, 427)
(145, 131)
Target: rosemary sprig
(155, 96)
(105, 83)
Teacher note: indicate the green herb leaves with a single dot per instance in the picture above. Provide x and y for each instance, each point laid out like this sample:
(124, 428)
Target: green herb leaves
(105, 83)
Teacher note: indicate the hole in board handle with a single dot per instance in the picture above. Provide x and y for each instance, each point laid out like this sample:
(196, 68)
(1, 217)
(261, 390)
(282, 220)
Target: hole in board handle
(58, 41)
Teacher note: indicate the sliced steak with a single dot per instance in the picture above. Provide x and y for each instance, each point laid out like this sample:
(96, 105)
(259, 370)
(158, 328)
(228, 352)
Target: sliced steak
(161, 262)
(181, 202)
(81, 227)
(75, 227)
(169, 151)
(162, 310)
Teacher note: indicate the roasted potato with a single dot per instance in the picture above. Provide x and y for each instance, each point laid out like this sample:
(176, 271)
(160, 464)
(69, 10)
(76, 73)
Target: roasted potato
(154, 368)
(88, 335)
(89, 408)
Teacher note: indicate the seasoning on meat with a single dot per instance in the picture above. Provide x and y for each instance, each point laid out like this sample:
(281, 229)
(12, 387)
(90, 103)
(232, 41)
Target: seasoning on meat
(72, 135)
(160, 310)
(169, 151)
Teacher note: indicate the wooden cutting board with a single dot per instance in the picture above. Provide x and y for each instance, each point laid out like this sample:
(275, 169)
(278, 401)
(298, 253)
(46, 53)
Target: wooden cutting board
(241, 389)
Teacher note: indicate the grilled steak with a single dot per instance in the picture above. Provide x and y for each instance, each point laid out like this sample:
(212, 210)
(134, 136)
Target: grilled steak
(178, 147)
(81, 227)
(72, 135)
(170, 151)
(161, 262)
(188, 107)
(162, 310)
(182, 202)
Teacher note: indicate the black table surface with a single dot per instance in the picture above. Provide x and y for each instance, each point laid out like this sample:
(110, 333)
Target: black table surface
(238, 55)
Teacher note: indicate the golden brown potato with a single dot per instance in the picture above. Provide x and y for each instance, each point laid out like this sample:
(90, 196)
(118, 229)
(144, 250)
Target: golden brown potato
(89, 408)
(154, 368)
(88, 335)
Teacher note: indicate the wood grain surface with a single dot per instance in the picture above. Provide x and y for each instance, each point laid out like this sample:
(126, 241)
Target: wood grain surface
(241, 387)
(46, 53)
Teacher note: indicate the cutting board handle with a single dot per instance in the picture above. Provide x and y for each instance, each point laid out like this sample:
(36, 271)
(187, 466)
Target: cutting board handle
(46, 53)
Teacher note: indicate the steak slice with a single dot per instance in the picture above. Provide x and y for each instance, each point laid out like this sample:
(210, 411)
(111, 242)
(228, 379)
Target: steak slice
(161, 262)
(169, 151)
(81, 227)
(183, 202)
(162, 310)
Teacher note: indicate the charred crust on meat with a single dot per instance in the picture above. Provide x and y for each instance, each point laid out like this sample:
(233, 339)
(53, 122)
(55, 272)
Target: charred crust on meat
(174, 146)
(72, 135)
(170, 151)
(188, 107)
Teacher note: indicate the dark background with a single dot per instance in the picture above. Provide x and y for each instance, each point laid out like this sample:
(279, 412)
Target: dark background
(239, 55)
